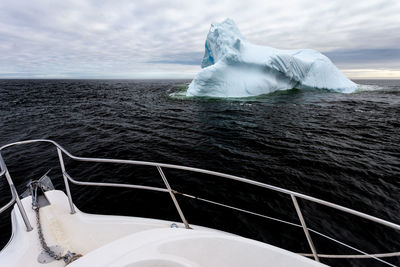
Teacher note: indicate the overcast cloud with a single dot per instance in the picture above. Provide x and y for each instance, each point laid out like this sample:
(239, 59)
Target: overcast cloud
(165, 39)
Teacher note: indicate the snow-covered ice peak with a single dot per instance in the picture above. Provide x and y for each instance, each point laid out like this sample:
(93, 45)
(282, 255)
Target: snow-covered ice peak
(234, 67)
(223, 39)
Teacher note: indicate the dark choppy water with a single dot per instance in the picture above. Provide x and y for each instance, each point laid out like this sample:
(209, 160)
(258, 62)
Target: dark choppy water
(341, 148)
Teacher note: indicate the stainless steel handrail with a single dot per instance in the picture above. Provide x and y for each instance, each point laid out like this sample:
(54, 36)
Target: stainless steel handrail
(232, 177)
(151, 188)
(9, 204)
(12, 201)
(305, 229)
(159, 167)
(15, 196)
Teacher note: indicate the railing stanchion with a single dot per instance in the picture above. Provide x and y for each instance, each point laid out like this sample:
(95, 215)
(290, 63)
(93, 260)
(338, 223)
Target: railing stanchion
(178, 208)
(20, 207)
(303, 224)
(15, 195)
(71, 204)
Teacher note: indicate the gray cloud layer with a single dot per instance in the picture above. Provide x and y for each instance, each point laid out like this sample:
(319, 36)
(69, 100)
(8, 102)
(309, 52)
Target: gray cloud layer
(144, 39)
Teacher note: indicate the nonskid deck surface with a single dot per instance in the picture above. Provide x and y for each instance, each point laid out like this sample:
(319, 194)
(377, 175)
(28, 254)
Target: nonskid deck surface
(130, 241)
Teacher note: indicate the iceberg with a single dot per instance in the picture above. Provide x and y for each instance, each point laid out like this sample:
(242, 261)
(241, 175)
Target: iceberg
(234, 67)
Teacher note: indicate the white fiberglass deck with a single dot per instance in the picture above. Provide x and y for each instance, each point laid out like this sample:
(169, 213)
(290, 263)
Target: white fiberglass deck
(130, 241)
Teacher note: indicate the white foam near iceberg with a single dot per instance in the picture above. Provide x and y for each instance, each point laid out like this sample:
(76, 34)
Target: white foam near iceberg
(234, 67)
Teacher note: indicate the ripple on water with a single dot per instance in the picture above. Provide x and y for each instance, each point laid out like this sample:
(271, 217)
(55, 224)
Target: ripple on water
(339, 147)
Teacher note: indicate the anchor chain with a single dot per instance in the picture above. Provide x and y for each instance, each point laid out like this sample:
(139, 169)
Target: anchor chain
(67, 258)
(44, 183)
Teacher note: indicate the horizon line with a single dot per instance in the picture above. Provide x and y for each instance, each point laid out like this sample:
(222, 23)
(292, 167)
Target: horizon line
(155, 78)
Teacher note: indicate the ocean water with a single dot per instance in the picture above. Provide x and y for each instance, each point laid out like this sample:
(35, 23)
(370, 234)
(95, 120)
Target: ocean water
(342, 148)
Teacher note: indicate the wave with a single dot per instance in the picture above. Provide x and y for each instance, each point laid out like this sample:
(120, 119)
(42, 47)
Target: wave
(369, 87)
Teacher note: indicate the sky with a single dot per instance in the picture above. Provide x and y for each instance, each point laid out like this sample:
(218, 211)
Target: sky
(165, 39)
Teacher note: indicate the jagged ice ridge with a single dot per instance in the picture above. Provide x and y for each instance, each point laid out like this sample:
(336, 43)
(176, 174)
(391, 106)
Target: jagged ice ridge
(234, 67)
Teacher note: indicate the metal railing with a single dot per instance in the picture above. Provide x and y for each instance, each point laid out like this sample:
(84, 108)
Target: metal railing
(294, 195)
